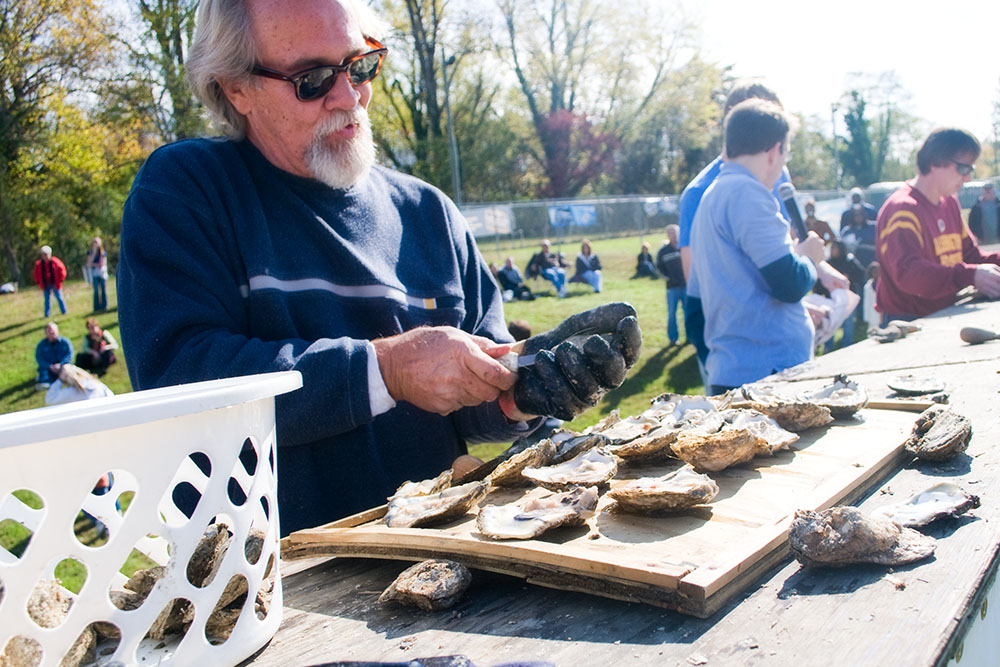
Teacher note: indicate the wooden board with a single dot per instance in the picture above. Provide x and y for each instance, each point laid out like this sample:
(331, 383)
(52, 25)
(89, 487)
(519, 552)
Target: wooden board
(691, 562)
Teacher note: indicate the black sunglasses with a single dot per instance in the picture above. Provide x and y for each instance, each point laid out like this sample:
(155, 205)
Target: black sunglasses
(315, 82)
(963, 169)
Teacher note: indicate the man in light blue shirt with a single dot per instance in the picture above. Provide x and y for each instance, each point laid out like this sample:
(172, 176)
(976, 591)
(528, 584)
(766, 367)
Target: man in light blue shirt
(751, 277)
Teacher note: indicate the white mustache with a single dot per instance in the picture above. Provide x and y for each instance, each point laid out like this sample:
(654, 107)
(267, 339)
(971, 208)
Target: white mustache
(338, 120)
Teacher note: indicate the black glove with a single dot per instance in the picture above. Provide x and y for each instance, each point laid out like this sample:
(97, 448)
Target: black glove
(569, 376)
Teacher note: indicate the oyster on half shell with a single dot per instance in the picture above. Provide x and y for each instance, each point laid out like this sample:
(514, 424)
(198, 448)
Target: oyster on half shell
(424, 488)
(843, 397)
(677, 490)
(770, 436)
(593, 467)
(419, 511)
(531, 518)
(790, 414)
(711, 452)
(844, 535)
(939, 501)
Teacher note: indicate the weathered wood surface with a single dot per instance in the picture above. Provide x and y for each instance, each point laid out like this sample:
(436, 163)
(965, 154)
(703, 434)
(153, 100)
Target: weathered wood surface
(791, 615)
(692, 562)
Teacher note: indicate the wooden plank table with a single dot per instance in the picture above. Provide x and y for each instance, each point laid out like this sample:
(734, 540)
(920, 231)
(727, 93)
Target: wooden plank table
(861, 615)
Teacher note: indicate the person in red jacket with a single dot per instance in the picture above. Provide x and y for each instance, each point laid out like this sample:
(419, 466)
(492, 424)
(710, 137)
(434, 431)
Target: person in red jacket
(924, 248)
(50, 273)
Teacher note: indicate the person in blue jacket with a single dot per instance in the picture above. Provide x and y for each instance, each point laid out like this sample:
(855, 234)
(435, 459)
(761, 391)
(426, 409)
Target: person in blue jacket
(50, 354)
(283, 246)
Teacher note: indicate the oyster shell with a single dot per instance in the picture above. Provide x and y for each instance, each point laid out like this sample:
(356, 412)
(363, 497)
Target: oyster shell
(419, 511)
(431, 585)
(790, 414)
(576, 444)
(508, 473)
(531, 518)
(624, 430)
(711, 452)
(424, 488)
(939, 501)
(843, 397)
(770, 436)
(939, 434)
(591, 468)
(844, 535)
(678, 490)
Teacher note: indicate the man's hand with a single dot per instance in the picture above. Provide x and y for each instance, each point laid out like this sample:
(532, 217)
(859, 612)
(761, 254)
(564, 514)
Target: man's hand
(812, 247)
(441, 369)
(569, 376)
(831, 278)
(987, 280)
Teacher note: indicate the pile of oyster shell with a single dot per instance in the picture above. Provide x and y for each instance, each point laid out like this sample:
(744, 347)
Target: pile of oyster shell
(707, 434)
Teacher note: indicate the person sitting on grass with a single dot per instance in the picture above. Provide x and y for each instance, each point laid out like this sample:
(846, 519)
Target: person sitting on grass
(75, 384)
(644, 266)
(588, 267)
(510, 278)
(51, 353)
(98, 351)
(550, 266)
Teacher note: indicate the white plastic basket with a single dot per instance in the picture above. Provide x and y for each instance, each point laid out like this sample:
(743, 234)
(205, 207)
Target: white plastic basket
(144, 440)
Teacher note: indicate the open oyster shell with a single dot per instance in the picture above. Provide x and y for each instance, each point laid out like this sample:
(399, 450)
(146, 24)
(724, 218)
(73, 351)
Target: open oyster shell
(843, 397)
(939, 501)
(431, 585)
(770, 436)
(531, 518)
(570, 445)
(419, 511)
(677, 490)
(791, 414)
(939, 434)
(424, 488)
(508, 473)
(591, 468)
(844, 535)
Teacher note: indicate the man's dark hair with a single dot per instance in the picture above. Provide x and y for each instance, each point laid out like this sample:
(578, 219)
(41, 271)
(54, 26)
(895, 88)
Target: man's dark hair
(748, 90)
(754, 126)
(943, 145)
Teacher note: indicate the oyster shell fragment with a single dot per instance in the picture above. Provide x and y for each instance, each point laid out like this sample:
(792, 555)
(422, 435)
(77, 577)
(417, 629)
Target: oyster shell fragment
(844, 535)
(591, 468)
(431, 585)
(843, 397)
(420, 511)
(939, 501)
(939, 434)
(531, 518)
(680, 489)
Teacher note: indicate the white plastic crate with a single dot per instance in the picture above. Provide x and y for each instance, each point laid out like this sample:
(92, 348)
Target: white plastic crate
(144, 440)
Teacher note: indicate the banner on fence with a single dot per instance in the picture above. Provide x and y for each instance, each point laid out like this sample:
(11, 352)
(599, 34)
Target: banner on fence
(573, 215)
(489, 220)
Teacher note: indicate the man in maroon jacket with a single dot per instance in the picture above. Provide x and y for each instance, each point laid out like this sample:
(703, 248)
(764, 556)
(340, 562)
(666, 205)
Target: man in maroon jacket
(50, 273)
(922, 245)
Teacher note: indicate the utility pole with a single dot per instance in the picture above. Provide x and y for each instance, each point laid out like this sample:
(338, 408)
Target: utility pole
(836, 157)
(456, 178)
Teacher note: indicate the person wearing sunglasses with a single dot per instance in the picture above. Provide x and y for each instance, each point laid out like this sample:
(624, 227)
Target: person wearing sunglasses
(924, 249)
(283, 246)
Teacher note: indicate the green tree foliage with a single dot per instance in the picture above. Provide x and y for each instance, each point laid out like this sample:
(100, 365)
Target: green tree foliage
(858, 159)
(584, 86)
(811, 157)
(48, 48)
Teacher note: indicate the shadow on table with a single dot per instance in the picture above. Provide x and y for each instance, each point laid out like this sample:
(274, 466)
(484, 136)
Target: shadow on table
(495, 605)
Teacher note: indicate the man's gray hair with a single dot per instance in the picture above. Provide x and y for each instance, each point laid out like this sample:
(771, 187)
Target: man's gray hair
(223, 49)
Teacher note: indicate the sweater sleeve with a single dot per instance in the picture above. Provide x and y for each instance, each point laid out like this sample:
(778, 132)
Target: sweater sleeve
(789, 278)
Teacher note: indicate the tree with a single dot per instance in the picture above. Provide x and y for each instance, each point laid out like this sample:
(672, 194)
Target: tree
(811, 157)
(582, 89)
(157, 84)
(48, 48)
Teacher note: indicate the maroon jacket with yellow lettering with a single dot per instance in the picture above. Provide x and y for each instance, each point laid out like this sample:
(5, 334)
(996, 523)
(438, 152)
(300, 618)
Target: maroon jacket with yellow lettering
(925, 252)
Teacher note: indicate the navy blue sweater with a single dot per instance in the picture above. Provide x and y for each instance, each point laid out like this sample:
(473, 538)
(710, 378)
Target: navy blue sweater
(230, 266)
